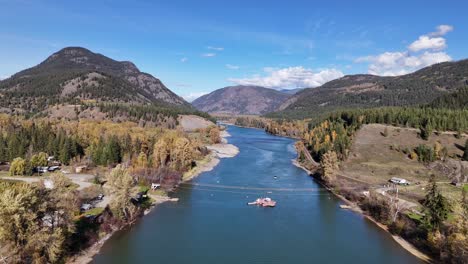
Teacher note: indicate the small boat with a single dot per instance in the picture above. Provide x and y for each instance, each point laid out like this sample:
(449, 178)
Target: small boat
(264, 202)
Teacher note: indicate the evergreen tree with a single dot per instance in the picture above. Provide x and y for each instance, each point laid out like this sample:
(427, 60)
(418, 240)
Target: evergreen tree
(426, 129)
(65, 152)
(436, 206)
(3, 150)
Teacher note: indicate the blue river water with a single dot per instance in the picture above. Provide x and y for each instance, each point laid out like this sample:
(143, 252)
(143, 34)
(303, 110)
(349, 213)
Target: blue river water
(212, 222)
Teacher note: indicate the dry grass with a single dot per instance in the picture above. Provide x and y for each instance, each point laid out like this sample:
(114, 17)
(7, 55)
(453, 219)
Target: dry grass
(374, 159)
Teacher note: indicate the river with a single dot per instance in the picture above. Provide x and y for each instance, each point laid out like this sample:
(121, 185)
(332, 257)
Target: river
(211, 223)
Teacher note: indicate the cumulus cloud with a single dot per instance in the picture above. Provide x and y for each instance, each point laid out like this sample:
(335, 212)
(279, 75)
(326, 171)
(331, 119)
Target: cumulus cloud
(399, 63)
(207, 55)
(184, 59)
(192, 96)
(232, 67)
(291, 77)
(426, 42)
(431, 41)
(215, 48)
(426, 50)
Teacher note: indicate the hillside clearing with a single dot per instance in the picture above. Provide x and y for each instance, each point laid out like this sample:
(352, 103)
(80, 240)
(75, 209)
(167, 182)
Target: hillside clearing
(374, 159)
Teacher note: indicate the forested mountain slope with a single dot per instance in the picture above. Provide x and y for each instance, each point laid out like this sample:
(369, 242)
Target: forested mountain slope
(358, 91)
(74, 75)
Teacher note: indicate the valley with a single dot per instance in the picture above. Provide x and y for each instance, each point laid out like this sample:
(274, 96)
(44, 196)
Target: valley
(233, 132)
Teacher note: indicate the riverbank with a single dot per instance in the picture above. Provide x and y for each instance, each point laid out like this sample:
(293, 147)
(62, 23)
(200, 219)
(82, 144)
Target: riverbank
(353, 206)
(217, 152)
(87, 255)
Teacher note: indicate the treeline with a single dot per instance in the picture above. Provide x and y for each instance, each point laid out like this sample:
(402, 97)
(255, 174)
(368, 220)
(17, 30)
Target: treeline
(102, 143)
(25, 140)
(343, 125)
(427, 118)
(161, 113)
(336, 130)
(255, 122)
(456, 100)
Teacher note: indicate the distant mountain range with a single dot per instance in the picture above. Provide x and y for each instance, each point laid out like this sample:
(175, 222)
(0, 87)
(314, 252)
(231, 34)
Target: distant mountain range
(74, 75)
(77, 76)
(291, 91)
(244, 100)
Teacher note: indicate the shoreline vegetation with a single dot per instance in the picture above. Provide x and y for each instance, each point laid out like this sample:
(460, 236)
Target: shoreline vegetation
(354, 207)
(208, 163)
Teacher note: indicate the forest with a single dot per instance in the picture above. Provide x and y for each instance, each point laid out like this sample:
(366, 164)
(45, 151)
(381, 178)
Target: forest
(100, 143)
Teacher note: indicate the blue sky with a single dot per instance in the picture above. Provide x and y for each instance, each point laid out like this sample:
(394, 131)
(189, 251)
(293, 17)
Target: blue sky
(195, 47)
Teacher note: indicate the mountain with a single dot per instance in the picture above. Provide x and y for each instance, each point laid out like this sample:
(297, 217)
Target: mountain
(363, 91)
(74, 75)
(248, 100)
(291, 91)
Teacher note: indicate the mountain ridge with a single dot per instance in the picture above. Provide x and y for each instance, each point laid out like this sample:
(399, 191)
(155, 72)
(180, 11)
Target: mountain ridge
(366, 91)
(78, 74)
(241, 99)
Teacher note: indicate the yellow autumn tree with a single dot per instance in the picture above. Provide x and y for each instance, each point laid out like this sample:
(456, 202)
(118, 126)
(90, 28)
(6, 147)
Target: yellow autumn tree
(215, 135)
(18, 167)
(329, 164)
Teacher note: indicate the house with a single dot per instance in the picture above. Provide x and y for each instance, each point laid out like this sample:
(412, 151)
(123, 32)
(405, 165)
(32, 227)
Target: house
(399, 181)
(155, 186)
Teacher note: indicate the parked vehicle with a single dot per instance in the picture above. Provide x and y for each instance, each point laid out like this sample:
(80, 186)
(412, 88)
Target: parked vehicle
(40, 169)
(53, 168)
(86, 207)
(399, 181)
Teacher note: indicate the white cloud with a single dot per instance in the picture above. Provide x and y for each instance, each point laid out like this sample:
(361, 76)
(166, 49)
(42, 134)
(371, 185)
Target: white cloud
(184, 59)
(426, 42)
(399, 63)
(432, 41)
(215, 48)
(192, 96)
(441, 30)
(207, 55)
(426, 50)
(232, 67)
(4, 77)
(291, 77)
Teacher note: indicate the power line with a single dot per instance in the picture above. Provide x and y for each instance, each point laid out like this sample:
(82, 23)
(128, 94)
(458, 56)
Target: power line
(254, 188)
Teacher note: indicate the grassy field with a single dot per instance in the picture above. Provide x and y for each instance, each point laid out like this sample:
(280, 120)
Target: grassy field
(374, 159)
